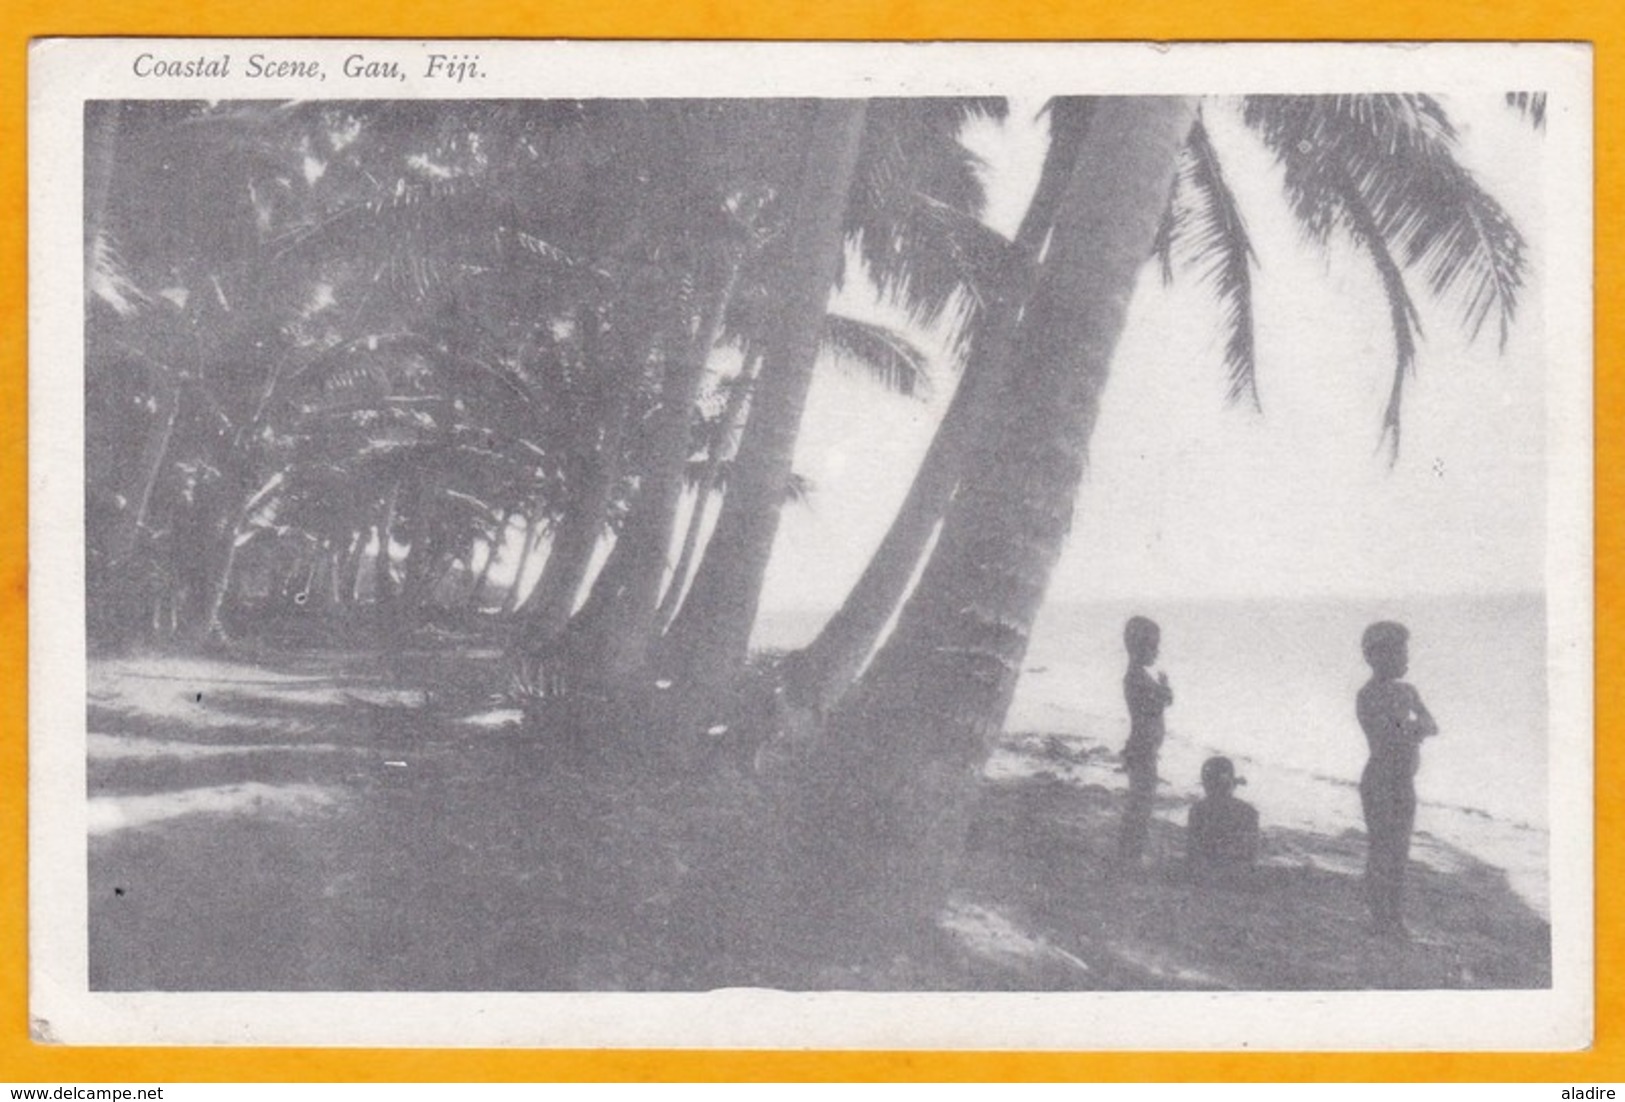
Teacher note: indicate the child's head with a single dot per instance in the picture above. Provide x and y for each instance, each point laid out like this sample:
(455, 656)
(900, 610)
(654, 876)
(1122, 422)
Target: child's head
(1386, 646)
(1141, 638)
(1219, 776)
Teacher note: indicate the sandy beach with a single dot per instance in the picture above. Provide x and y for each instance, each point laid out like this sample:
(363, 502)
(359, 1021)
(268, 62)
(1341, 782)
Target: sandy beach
(303, 825)
(1043, 845)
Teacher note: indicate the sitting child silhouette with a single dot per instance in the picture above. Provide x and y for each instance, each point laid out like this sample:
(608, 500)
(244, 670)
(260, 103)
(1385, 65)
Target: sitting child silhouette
(1222, 832)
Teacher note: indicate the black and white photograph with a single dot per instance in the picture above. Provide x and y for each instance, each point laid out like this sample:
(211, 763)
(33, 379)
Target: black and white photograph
(858, 546)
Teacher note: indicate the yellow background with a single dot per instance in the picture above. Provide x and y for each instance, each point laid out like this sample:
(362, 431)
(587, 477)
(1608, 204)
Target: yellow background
(1601, 22)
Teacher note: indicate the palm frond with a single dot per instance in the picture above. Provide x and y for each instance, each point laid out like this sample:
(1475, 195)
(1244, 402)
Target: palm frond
(421, 237)
(720, 391)
(1531, 105)
(1205, 225)
(1162, 245)
(798, 489)
(1382, 169)
(1399, 153)
(933, 260)
(1443, 223)
(1403, 318)
(886, 356)
(916, 200)
(552, 255)
(1475, 254)
(912, 146)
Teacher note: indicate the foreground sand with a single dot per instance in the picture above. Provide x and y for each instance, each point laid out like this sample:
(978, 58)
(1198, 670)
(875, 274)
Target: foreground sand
(1042, 847)
(308, 824)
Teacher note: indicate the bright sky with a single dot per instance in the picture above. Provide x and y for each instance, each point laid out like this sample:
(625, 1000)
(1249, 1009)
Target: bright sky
(1187, 496)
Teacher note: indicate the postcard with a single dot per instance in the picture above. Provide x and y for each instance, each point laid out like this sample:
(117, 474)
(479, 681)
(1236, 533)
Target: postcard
(1042, 546)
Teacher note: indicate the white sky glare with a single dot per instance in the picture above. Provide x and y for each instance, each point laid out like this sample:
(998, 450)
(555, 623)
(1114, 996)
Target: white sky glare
(1187, 496)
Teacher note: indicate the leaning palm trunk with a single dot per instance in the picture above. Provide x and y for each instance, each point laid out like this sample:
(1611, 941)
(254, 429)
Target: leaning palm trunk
(721, 449)
(154, 449)
(382, 572)
(563, 572)
(353, 561)
(421, 567)
(613, 639)
(512, 600)
(883, 821)
(476, 592)
(334, 565)
(575, 537)
(712, 632)
(822, 673)
(210, 627)
(627, 624)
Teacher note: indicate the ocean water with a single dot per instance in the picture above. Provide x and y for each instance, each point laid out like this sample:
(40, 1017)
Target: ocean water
(1271, 683)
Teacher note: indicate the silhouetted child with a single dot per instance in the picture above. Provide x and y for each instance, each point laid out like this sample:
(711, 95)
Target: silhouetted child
(1221, 837)
(1395, 722)
(1147, 697)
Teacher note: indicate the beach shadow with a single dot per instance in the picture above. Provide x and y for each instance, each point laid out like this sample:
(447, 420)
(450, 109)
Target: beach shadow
(1044, 849)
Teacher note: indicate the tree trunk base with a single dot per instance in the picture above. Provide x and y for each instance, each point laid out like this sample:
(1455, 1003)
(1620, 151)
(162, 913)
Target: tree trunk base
(875, 842)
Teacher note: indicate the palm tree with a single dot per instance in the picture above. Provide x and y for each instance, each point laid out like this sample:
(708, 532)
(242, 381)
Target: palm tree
(694, 180)
(882, 819)
(1203, 224)
(593, 471)
(723, 440)
(340, 228)
(698, 219)
(911, 212)
(725, 593)
(1382, 172)
(885, 815)
(882, 354)
(820, 674)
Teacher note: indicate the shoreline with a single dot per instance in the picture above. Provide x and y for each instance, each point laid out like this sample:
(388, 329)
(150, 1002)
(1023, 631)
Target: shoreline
(310, 826)
(1288, 799)
(1043, 844)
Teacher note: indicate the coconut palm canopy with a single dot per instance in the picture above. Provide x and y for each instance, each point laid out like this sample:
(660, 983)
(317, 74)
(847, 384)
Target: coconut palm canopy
(1176, 471)
(462, 296)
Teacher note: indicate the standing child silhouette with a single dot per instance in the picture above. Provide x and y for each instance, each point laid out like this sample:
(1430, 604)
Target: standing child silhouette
(1147, 697)
(1395, 722)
